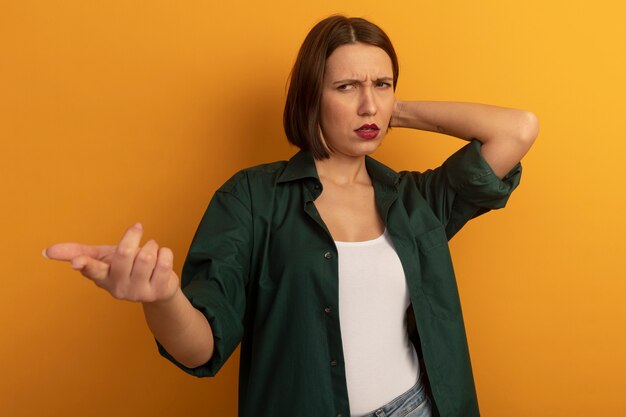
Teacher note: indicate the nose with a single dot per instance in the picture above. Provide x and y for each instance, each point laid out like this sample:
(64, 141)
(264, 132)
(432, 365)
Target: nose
(367, 103)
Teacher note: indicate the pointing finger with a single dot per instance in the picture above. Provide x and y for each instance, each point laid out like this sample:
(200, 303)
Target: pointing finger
(69, 251)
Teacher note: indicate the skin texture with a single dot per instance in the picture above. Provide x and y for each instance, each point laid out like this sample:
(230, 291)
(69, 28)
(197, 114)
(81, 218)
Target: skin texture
(357, 91)
(144, 274)
(506, 134)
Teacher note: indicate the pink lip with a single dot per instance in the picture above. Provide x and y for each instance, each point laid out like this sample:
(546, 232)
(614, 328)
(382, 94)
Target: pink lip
(368, 131)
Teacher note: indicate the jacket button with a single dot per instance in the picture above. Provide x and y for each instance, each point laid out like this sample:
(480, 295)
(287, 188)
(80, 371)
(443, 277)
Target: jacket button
(333, 362)
(339, 415)
(327, 310)
(317, 186)
(328, 255)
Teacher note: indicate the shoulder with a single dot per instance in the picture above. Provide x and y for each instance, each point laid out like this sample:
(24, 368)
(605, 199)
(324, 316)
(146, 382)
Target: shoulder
(388, 176)
(259, 178)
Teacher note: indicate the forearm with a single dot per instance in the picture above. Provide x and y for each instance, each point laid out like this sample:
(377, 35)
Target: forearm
(182, 330)
(506, 134)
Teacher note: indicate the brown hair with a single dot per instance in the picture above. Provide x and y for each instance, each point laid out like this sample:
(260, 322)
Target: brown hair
(301, 118)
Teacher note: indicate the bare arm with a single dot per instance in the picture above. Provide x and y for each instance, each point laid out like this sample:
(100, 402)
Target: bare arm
(144, 274)
(506, 134)
(182, 330)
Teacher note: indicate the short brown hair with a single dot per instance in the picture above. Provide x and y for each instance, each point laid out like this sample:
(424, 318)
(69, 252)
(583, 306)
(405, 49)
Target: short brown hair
(301, 118)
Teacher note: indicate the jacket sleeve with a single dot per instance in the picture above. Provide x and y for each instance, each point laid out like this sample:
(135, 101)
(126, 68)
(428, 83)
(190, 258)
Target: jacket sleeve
(216, 271)
(464, 187)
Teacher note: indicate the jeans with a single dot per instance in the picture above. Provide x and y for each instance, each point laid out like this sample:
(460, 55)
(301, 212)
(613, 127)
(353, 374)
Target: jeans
(413, 403)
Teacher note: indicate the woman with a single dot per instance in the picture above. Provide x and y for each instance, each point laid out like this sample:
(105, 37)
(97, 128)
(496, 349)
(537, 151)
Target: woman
(287, 251)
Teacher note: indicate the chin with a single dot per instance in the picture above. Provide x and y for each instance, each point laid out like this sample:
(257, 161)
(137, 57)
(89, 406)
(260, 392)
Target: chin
(363, 149)
(371, 147)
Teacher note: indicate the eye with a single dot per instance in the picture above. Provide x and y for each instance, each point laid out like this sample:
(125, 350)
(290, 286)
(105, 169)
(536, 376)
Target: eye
(345, 87)
(382, 84)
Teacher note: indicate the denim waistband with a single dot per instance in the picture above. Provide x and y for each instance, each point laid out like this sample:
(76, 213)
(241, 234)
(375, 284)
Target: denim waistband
(403, 403)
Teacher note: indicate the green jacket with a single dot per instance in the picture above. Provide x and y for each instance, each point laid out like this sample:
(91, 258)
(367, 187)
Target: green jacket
(263, 269)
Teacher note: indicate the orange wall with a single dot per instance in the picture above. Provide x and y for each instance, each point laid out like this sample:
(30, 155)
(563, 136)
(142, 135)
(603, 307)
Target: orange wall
(114, 112)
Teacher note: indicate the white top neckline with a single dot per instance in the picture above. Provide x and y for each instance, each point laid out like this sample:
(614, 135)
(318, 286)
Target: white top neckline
(362, 242)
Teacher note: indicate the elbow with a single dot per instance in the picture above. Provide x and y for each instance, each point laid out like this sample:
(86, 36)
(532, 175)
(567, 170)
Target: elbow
(196, 361)
(528, 128)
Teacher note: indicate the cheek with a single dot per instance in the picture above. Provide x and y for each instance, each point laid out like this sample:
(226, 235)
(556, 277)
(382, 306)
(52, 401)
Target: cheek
(330, 114)
(389, 101)
(387, 108)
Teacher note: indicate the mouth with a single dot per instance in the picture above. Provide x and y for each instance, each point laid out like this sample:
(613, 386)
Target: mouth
(368, 131)
(366, 128)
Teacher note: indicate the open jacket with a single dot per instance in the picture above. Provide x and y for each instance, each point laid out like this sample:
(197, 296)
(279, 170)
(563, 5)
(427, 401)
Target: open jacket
(263, 269)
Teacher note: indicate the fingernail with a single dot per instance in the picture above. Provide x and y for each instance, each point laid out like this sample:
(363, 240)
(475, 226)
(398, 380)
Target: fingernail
(138, 226)
(44, 253)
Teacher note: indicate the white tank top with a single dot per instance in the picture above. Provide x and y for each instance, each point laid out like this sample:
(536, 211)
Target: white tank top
(381, 362)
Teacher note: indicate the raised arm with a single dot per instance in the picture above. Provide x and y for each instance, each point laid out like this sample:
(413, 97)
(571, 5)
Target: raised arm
(506, 134)
(144, 274)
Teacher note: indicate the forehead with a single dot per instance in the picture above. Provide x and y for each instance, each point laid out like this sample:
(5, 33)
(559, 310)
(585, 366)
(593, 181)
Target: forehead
(358, 60)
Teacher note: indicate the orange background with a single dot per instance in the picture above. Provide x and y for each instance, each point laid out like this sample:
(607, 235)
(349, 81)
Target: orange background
(115, 112)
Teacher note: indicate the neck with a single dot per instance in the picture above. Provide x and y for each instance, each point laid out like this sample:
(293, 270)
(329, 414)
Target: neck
(343, 170)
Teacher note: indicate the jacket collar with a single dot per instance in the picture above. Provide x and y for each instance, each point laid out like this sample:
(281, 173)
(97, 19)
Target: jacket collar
(302, 165)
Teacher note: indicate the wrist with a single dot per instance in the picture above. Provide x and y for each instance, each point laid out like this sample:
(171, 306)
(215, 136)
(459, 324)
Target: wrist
(166, 302)
(396, 114)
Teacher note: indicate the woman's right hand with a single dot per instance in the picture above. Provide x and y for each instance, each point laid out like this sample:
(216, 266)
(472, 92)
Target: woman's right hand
(127, 271)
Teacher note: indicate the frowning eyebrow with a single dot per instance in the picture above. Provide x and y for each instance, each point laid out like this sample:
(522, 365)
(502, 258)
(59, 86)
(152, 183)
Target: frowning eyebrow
(355, 81)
